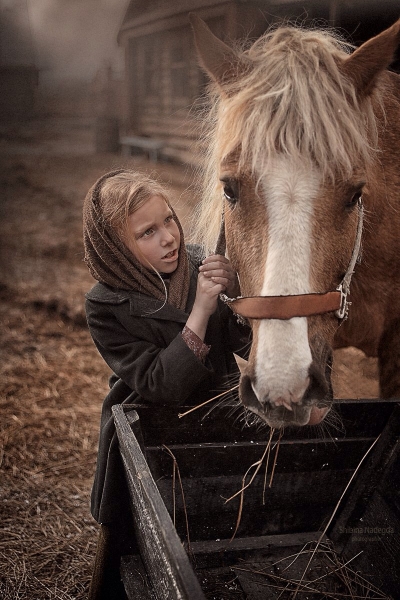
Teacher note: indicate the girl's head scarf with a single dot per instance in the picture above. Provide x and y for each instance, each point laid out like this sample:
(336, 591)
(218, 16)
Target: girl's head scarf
(111, 262)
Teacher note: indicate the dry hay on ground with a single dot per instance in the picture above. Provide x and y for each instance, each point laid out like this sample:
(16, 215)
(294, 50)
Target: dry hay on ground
(52, 379)
(53, 382)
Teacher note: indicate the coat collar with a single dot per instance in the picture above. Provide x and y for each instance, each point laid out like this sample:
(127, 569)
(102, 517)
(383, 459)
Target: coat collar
(141, 305)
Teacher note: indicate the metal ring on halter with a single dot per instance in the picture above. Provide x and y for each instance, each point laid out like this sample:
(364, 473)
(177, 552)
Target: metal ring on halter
(344, 287)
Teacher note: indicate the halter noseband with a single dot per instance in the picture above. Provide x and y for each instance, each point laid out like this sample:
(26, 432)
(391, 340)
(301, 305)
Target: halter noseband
(302, 305)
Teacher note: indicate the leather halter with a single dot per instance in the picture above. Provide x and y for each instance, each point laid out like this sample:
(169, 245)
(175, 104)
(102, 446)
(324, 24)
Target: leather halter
(302, 305)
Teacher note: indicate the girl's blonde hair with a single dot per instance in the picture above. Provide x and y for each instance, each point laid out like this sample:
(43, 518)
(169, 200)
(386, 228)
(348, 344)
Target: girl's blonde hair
(124, 193)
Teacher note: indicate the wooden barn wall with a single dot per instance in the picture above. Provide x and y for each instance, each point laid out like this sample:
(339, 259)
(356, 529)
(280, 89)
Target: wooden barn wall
(164, 84)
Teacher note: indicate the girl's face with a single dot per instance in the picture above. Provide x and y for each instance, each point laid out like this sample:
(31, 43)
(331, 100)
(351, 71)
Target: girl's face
(153, 236)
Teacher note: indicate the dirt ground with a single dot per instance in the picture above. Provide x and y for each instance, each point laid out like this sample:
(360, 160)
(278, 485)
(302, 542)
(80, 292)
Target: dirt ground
(52, 379)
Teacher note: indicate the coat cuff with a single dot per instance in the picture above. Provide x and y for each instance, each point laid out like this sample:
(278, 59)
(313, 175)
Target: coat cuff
(196, 345)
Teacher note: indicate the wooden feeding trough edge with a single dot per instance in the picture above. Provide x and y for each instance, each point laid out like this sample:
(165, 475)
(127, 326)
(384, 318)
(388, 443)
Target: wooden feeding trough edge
(212, 451)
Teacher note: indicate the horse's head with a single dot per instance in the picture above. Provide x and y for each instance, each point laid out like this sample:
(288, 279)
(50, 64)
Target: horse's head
(293, 138)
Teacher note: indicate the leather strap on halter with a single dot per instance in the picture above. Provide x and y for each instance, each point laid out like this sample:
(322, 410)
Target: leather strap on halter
(285, 307)
(302, 305)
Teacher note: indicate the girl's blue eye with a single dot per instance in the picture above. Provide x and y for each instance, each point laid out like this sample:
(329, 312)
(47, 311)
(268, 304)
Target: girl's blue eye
(169, 219)
(148, 232)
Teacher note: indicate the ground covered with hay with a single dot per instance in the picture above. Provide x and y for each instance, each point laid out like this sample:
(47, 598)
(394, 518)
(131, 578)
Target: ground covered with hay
(52, 379)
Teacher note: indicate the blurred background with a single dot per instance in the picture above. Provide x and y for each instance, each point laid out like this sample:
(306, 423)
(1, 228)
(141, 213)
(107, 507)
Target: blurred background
(129, 67)
(87, 86)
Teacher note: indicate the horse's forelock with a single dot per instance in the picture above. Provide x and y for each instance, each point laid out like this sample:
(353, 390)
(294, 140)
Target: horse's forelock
(293, 100)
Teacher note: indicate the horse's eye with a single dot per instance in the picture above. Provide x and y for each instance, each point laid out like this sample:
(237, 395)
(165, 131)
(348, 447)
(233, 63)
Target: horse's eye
(229, 194)
(230, 191)
(354, 200)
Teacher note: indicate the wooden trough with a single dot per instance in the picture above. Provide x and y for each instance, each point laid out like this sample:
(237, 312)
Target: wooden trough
(284, 513)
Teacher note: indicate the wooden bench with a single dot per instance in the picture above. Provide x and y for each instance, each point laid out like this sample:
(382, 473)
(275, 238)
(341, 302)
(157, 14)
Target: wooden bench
(311, 473)
(150, 145)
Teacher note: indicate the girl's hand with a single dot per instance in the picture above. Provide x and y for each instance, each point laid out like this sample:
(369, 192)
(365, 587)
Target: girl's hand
(218, 269)
(215, 276)
(207, 294)
(204, 305)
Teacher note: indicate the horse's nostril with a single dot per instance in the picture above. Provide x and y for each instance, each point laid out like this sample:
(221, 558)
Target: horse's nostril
(283, 402)
(247, 395)
(319, 386)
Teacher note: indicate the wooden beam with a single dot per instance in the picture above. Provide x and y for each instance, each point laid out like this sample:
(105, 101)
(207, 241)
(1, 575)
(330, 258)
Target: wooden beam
(167, 564)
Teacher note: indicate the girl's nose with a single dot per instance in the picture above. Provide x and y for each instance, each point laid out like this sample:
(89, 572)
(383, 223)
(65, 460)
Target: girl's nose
(167, 238)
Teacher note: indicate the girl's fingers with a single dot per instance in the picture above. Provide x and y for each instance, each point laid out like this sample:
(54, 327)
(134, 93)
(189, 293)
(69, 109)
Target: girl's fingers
(219, 273)
(215, 264)
(217, 268)
(211, 288)
(215, 258)
(221, 280)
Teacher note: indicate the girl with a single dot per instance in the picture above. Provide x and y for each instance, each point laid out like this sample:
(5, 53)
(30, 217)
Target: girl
(154, 314)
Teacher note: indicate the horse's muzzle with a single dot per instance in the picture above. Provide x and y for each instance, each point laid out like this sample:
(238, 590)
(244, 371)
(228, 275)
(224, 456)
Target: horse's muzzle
(311, 410)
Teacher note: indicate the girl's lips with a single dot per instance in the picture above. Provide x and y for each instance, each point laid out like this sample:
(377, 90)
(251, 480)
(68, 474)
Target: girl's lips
(171, 256)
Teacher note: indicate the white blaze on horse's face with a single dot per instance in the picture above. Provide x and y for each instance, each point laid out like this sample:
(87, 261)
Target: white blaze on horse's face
(283, 355)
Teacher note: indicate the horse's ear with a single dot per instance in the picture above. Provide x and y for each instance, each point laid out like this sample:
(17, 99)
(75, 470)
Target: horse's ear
(219, 60)
(370, 59)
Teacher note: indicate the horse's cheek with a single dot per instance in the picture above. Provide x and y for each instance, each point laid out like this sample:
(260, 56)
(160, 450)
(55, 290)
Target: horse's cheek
(322, 327)
(245, 254)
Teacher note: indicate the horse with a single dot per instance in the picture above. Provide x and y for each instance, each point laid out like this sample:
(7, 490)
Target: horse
(303, 164)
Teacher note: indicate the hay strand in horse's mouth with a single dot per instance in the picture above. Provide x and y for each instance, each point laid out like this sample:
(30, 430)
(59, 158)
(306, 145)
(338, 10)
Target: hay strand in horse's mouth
(257, 466)
(180, 415)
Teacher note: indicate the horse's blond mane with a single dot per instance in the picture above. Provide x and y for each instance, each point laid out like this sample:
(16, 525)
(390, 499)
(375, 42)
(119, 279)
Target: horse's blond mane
(292, 99)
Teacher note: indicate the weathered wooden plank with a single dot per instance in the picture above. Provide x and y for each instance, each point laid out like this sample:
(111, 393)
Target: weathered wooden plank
(226, 552)
(163, 426)
(369, 521)
(294, 503)
(370, 476)
(377, 541)
(141, 142)
(135, 578)
(225, 459)
(163, 555)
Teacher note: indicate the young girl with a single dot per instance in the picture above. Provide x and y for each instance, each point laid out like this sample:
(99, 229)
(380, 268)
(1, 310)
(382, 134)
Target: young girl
(154, 314)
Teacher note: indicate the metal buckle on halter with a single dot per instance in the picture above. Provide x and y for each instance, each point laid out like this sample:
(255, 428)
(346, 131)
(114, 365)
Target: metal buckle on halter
(343, 312)
(226, 300)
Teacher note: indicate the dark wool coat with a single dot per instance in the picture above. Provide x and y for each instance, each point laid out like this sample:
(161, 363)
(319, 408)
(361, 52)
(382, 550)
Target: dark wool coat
(140, 340)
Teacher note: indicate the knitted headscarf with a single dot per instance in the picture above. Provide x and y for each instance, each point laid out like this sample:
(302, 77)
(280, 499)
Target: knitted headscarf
(111, 262)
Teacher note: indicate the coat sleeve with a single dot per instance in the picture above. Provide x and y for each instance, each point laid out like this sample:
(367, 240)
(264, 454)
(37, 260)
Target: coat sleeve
(158, 371)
